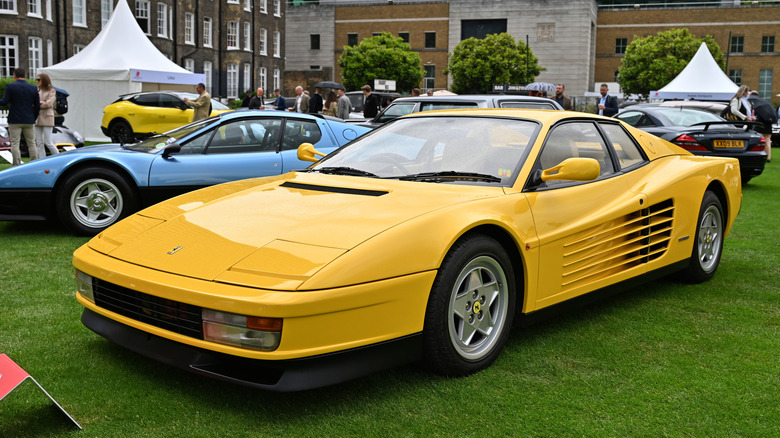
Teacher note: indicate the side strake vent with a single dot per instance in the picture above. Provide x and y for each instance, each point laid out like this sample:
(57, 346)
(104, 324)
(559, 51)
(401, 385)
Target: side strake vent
(617, 245)
(345, 190)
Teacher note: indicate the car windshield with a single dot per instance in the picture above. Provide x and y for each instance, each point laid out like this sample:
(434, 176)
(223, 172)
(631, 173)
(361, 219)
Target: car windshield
(157, 142)
(688, 117)
(438, 149)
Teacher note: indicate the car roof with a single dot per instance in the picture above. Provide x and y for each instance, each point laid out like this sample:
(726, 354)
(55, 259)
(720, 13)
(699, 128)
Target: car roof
(546, 116)
(475, 98)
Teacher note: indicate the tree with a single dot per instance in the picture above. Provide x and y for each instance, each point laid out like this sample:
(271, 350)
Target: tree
(653, 61)
(381, 57)
(475, 65)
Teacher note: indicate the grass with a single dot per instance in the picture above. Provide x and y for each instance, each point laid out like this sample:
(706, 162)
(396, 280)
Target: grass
(665, 359)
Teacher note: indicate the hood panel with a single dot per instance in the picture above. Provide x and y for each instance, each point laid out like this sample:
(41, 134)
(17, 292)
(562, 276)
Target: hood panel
(325, 211)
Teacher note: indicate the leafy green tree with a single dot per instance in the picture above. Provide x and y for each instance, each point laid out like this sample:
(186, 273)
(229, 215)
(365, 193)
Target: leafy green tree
(477, 64)
(653, 61)
(381, 57)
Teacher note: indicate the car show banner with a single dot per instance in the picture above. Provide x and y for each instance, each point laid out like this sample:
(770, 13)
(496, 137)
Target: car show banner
(11, 375)
(166, 77)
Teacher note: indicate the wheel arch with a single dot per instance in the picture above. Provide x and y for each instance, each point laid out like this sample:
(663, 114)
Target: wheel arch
(719, 190)
(109, 165)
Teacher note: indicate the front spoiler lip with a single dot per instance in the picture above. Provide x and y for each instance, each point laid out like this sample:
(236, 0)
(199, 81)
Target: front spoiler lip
(282, 375)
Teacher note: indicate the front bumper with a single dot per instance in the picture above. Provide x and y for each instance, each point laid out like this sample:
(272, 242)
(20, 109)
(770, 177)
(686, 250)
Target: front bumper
(285, 375)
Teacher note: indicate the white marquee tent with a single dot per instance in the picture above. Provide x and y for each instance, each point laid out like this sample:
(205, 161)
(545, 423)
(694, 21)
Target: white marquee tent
(120, 60)
(701, 79)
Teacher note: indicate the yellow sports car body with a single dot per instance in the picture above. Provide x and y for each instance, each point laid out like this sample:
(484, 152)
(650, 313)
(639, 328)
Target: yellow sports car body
(424, 240)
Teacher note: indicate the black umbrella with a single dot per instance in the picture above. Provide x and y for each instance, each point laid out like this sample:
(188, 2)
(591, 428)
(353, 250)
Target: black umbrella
(330, 84)
(765, 112)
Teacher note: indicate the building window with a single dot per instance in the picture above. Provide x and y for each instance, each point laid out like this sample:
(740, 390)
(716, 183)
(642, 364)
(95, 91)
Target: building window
(429, 81)
(404, 36)
(232, 35)
(430, 40)
(264, 79)
(736, 76)
(765, 84)
(80, 13)
(277, 8)
(189, 28)
(737, 44)
(8, 55)
(247, 76)
(263, 49)
(142, 15)
(78, 48)
(232, 81)
(248, 36)
(106, 8)
(620, 45)
(767, 44)
(49, 53)
(373, 34)
(352, 39)
(34, 8)
(277, 79)
(207, 68)
(35, 55)
(247, 5)
(314, 67)
(277, 44)
(263, 6)
(162, 20)
(314, 41)
(189, 65)
(8, 5)
(48, 10)
(615, 76)
(232, 1)
(207, 32)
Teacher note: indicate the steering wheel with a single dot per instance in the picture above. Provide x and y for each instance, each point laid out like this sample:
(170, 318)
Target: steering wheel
(396, 160)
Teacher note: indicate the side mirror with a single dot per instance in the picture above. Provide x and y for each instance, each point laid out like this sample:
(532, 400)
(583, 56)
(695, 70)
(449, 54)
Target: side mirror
(573, 169)
(171, 149)
(306, 152)
(183, 106)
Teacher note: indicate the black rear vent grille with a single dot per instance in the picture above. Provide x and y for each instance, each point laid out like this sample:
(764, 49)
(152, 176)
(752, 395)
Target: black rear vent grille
(170, 315)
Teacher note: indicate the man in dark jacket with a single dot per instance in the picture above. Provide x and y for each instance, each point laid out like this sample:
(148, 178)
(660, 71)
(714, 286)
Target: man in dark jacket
(257, 102)
(315, 103)
(280, 103)
(608, 105)
(24, 108)
(371, 104)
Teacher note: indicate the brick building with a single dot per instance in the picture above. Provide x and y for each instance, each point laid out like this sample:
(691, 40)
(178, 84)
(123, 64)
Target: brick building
(238, 44)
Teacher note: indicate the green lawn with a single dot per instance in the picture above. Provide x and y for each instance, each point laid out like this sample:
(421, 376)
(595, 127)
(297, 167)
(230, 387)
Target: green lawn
(665, 359)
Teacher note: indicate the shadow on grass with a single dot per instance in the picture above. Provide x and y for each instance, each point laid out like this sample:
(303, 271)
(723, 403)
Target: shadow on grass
(42, 419)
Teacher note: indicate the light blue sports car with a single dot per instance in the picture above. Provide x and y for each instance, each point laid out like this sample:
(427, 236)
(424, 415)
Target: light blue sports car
(93, 187)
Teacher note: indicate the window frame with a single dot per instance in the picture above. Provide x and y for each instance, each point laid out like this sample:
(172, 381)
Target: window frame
(189, 28)
(34, 55)
(82, 14)
(231, 35)
(143, 7)
(162, 20)
(208, 32)
(6, 67)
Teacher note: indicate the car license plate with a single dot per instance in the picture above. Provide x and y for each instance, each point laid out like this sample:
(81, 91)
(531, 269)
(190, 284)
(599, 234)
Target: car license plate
(729, 144)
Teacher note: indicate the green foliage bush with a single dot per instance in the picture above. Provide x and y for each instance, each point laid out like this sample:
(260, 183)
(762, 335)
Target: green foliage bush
(381, 57)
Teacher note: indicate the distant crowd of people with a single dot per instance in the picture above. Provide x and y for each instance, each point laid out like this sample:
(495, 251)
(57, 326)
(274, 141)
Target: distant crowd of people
(30, 113)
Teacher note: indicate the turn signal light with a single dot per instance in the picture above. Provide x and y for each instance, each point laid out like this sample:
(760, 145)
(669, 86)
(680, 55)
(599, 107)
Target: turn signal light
(760, 146)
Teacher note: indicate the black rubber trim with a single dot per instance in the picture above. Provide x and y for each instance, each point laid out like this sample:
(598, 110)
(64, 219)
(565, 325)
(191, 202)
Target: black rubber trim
(345, 190)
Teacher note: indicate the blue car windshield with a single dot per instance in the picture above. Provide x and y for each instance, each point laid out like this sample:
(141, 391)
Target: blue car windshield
(160, 141)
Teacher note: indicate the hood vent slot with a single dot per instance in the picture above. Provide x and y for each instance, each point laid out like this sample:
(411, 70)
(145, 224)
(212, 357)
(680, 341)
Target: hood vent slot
(329, 189)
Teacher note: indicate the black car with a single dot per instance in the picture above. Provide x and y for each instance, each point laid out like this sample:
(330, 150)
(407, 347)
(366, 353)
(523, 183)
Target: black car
(702, 133)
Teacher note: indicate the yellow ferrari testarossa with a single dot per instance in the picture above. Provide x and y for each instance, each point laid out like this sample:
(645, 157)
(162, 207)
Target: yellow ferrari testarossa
(424, 240)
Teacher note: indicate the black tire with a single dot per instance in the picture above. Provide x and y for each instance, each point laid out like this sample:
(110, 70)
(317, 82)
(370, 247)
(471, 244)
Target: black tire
(120, 131)
(91, 199)
(470, 309)
(708, 241)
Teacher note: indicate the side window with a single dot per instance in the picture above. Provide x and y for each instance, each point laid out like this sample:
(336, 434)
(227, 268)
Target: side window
(147, 100)
(395, 111)
(572, 140)
(168, 101)
(197, 145)
(297, 132)
(627, 152)
(236, 137)
(430, 106)
(631, 117)
(528, 105)
(645, 121)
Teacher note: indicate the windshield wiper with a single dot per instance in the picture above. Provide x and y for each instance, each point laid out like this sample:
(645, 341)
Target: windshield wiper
(449, 175)
(344, 170)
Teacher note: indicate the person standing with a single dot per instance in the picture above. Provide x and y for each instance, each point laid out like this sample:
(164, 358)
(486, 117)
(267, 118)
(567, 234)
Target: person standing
(301, 101)
(25, 104)
(764, 113)
(315, 103)
(371, 104)
(280, 103)
(739, 106)
(344, 107)
(562, 99)
(416, 92)
(202, 104)
(329, 107)
(45, 121)
(608, 105)
(257, 101)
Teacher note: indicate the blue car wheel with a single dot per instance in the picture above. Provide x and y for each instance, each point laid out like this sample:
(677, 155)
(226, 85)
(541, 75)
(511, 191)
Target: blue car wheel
(91, 199)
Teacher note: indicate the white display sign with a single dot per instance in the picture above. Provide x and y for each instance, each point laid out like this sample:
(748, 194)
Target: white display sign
(166, 77)
(384, 85)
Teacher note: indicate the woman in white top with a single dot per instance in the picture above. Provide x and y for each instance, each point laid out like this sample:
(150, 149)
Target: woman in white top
(739, 105)
(45, 121)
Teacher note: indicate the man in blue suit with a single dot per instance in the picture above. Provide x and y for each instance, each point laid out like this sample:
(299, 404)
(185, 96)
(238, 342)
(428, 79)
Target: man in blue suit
(608, 105)
(281, 103)
(24, 108)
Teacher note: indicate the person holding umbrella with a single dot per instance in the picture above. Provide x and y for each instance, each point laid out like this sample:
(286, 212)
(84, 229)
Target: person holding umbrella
(765, 113)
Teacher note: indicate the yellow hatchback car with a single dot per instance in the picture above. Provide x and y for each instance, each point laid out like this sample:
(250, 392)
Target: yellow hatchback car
(423, 240)
(138, 115)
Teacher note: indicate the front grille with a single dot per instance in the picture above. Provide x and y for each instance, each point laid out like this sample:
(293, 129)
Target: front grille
(166, 314)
